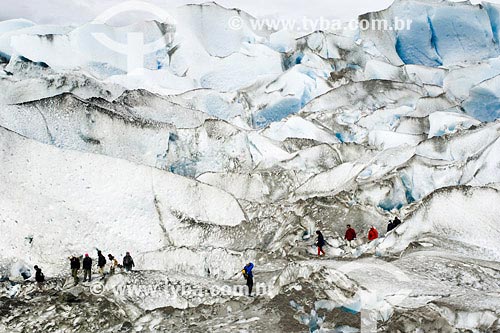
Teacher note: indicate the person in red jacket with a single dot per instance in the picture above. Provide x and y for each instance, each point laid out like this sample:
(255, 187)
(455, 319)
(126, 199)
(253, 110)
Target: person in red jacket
(372, 234)
(350, 234)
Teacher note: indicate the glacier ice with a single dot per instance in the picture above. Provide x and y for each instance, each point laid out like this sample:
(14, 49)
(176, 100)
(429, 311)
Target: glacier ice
(442, 33)
(232, 146)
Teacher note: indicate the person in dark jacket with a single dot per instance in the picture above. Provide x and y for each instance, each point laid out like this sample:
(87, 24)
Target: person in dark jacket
(75, 267)
(390, 226)
(87, 268)
(39, 277)
(248, 274)
(101, 262)
(320, 242)
(350, 234)
(128, 262)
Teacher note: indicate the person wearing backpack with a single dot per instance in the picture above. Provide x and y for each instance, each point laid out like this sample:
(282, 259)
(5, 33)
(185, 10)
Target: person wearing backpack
(101, 262)
(248, 275)
(39, 277)
(320, 243)
(128, 262)
(87, 268)
(113, 264)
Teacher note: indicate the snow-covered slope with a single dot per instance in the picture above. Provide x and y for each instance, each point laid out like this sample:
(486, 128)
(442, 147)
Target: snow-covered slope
(123, 200)
(464, 214)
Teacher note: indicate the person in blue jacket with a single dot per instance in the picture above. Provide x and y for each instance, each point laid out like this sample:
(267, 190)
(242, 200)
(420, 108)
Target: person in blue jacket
(248, 274)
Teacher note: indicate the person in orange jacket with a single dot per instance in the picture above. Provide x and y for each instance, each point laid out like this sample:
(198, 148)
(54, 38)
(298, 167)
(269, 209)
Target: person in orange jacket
(372, 234)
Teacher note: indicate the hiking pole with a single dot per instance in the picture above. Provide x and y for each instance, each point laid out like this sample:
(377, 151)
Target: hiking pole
(232, 277)
(235, 274)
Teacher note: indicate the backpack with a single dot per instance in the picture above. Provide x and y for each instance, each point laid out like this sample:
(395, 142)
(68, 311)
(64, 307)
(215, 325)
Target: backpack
(127, 261)
(39, 277)
(101, 261)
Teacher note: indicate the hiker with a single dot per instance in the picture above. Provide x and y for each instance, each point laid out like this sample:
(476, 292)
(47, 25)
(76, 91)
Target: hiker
(101, 262)
(39, 277)
(87, 268)
(248, 274)
(320, 243)
(390, 226)
(372, 234)
(128, 262)
(113, 263)
(75, 266)
(350, 234)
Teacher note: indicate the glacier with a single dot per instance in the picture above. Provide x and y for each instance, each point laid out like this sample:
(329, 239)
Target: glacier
(235, 145)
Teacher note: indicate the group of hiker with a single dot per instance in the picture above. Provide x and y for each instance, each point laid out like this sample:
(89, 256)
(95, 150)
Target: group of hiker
(128, 264)
(393, 224)
(350, 235)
